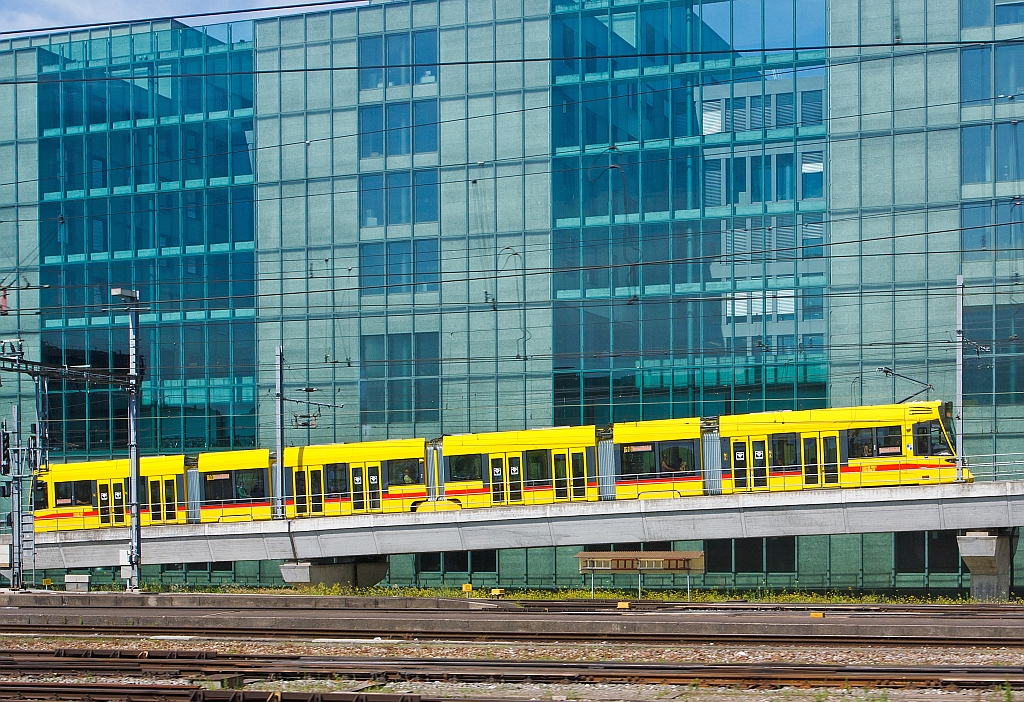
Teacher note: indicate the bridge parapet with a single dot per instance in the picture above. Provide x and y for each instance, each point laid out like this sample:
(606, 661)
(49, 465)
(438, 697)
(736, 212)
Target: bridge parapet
(966, 506)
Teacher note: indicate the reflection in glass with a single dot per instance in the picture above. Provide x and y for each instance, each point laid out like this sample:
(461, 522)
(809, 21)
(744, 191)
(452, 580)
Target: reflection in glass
(427, 197)
(371, 62)
(746, 25)
(371, 200)
(425, 50)
(371, 269)
(398, 59)
(425, 120)
(975, 13)
(399, 198)
(371, 131)
(399, 268)
(976, 154)
(976, 75)
(428, 265)
(778, 26)
(399, 129)
(1009, 70)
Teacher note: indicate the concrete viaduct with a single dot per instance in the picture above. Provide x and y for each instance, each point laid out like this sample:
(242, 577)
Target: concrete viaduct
(989, 509)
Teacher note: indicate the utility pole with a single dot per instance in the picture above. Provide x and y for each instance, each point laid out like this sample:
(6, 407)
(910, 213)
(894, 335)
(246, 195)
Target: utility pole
(131, 300)
(958, 416)
(277, 484)
(10, 464)
(17, 503)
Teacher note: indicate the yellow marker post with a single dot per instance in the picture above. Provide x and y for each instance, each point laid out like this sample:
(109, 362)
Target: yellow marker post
(467, 588)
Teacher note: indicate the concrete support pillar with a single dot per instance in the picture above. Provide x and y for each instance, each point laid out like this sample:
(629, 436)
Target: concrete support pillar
(989, 556)
(354, 574)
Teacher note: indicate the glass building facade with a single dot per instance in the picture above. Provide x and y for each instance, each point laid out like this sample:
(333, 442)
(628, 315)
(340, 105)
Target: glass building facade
(470, 215)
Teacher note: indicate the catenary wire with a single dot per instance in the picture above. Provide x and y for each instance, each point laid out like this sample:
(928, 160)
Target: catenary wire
(511, 274)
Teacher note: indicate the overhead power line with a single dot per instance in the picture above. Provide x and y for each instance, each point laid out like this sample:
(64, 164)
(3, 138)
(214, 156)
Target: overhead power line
(509, 274)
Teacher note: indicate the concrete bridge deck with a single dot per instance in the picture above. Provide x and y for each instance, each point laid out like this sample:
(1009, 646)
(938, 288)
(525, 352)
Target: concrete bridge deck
(852, 511)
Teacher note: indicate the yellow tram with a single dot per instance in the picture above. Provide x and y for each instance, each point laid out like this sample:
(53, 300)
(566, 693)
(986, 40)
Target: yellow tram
(853, 447)
(95, 494)
(371, 476)
(844, 447)
(535, 466)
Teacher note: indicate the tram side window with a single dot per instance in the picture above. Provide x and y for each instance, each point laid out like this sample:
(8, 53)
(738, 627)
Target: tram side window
(405, 471)
(639, 460)
(465, 467)
(677, 459)
(79, 493)
(784, 451)
(538, 468)
(39, 496)
(217, 488)
(861, 443)
(251, 484)
(337, 480)
(878, 442)
(929, 440)
(889, 441)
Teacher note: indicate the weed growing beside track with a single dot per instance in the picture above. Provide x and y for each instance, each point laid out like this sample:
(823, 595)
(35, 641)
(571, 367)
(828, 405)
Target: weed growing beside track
(766, 595)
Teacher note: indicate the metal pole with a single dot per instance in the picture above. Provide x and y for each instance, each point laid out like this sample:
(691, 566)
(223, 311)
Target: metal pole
(131, 300)
(17, 547)
(687, 586)
(135, 548)
(42, 447)
(958, 417)
(277, 482)
(639, 584)
(591, 584)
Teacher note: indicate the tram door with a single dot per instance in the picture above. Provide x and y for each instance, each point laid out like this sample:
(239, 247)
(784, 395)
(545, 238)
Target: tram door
(830, 459)
(812, 461)
(506, 478)
(366, 487)
(740, 460)
(570, 474)
(750, 464)
(163, 499)
(758, 471)
(309, 491)
(110, 494)
(820, 459)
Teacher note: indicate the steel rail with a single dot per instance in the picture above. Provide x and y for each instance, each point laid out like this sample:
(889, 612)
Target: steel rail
(412, 633)
(115, 692)
(240, 668)
(938, 610)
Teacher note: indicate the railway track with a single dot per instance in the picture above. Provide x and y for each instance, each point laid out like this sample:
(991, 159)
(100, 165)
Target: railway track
(237, 670)
(568, 621)
(932, 610)
(201, 601)
(103, 692)
(510, 636)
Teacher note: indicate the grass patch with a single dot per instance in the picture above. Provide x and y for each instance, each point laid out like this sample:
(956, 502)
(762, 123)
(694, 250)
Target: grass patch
(763, 595)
